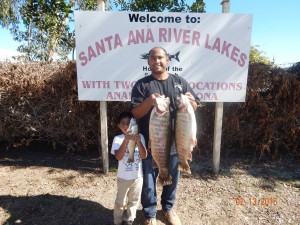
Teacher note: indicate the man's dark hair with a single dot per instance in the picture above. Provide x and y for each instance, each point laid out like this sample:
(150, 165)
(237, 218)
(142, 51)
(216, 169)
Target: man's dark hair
(167, 54)
(123, 115)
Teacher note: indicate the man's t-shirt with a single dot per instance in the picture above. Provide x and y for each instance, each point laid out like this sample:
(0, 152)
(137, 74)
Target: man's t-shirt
(172, 87)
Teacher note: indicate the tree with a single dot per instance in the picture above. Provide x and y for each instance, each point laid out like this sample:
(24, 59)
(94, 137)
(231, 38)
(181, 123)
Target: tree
(159, 6)
(198, 6)
(45, 23)
(9, 14)
(258, 56)
(42, 26)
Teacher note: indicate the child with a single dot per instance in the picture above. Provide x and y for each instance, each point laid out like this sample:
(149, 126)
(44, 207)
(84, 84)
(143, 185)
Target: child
(130, 175)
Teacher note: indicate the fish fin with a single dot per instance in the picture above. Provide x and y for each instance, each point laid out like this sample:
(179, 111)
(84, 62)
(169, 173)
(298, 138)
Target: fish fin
(176, 56)
(144, 56)
(165, 180)
(184, 167)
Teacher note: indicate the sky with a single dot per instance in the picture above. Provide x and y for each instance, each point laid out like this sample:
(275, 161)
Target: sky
(275, 28)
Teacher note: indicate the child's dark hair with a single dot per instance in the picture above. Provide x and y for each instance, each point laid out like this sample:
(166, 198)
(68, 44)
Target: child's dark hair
(123, 115)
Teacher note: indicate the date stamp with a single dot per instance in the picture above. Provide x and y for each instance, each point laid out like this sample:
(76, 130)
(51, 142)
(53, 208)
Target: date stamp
(253, 201)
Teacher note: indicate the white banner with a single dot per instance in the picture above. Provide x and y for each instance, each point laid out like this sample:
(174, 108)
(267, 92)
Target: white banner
(211, 51)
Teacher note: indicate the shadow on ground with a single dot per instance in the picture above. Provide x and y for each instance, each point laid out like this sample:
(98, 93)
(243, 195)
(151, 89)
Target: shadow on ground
(54, 210)
(84, 162)
(202, 166)
(60, 210)
(287, 169)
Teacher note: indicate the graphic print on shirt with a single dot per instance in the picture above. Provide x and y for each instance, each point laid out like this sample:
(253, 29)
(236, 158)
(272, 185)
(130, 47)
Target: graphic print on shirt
(179, 86)
(178, 89)
(133, 165)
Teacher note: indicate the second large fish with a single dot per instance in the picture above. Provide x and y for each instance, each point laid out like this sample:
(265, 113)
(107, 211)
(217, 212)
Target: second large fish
(185, 132)
(160, 138)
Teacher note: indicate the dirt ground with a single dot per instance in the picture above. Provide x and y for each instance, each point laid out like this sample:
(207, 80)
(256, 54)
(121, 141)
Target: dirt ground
(47, 188)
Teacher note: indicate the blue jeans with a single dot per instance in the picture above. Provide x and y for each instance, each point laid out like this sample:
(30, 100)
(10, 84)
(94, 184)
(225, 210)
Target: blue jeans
(149, 195)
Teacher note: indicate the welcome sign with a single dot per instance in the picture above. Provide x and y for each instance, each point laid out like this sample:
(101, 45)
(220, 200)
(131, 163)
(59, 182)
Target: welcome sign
(211, 51)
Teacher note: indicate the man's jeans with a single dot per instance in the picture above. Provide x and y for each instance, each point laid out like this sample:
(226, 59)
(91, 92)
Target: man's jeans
(149, 195)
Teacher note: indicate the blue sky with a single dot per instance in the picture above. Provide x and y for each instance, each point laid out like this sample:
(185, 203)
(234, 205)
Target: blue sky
(276, 28)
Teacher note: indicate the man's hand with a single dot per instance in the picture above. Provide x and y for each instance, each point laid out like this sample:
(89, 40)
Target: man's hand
(136, 138)
(151, 100)
(142, 109)
(128, 136)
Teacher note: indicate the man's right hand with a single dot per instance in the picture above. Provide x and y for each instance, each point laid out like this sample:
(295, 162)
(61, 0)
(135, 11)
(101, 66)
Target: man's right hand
(142, 109)
(152, 99)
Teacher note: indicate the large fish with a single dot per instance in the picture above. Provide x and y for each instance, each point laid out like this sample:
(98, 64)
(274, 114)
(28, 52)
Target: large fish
(160, 138)
(185, 132)
(132, 129)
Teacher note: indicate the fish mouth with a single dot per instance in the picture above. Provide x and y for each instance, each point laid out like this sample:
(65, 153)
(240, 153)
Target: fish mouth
(181, 107)
(178, 101)
(161, 109)
(162, 105)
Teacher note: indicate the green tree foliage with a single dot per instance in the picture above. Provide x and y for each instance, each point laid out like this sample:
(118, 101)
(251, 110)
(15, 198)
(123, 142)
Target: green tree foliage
(9, 14)
(46, 26)
(198, 6)
(43, 26)
(159, 6)
(258, 56)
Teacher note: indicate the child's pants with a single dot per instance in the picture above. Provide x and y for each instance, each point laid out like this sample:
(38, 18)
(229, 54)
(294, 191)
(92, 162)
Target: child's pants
(128, 198)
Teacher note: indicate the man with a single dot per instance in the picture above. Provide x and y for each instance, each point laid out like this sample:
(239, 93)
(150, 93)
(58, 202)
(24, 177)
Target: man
(143, 95)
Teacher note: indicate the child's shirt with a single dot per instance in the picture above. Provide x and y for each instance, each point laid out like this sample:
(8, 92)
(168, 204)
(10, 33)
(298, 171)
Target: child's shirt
(128, 171)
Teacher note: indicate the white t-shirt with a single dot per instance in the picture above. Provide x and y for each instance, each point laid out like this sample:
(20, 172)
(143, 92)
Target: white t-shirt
(128, 171)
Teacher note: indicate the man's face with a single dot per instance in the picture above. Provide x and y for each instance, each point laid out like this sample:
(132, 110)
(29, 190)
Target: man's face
(158, 61)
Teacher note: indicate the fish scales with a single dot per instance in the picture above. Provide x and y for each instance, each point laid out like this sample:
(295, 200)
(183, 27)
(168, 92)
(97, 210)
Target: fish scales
(185, 132)
(160, 140)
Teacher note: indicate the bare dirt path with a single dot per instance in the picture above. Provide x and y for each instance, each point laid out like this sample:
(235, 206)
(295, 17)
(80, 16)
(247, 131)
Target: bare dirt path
(40, 188)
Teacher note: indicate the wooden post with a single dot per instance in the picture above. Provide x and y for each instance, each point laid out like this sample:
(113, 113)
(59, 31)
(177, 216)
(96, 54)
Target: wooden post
(104, 136)
(217, 136)
(219, 115)
(225, 6)
(103, 117)
(101, 5)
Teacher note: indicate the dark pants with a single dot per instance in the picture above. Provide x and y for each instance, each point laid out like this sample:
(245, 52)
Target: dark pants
(149, 195)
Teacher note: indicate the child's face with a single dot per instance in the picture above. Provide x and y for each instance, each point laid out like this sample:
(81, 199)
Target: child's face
(123, 125)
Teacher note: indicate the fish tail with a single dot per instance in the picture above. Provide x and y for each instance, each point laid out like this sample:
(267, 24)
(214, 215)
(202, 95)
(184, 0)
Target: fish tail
(184, 167)
(144, 56)
(176, 56)
(165, 180)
